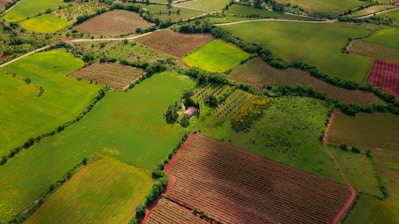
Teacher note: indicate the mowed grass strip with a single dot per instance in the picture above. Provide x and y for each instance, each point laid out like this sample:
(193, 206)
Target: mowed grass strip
(114, 75)
(216, 56)
(327, 7)
(125, 125)
(317, 44)
(376, 51)
(26, 115)
(166, 40)
(376, 130)
(387, 37)
(257, 72)
(104, 191)
(30, 8)
(114, 22)
(46, 23)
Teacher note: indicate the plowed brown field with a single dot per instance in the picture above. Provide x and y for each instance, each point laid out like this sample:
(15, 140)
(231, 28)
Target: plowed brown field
(386, 75)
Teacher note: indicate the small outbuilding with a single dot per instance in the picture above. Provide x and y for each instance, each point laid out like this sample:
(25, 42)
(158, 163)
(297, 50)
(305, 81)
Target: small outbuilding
(191, 111)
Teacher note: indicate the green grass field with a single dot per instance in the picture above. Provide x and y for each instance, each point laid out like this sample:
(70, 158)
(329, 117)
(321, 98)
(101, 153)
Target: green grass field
(328, 7)
(207, 5)
(216, 56)
(359, 170)
(162, 12)
(27, 115)
(387, 37)
(376, 130)
(104, 191)
(288, 132)
(371, 10)
(316, 44)
(44, 24)
(125, 125)
(30, 8)
(243, 10)
(376, 51)
(257, 72)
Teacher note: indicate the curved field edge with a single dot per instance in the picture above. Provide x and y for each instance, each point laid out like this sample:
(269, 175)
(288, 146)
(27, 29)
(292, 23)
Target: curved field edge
(56, 100)
(27, 176)
(206, 174)
(113, 185)
(317, 44)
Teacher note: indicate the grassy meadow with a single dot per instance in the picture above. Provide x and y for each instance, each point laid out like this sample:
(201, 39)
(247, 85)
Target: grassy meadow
(206, 5)
(128, 126)
(376, 51)
(371, 10)
(28, 115)
(162, 12)
(327, 7)
(216, 56)
(30, 8)
(367, 131)
(105, 186)
(243, 10)
(46, 23)
(387, 37)
(318, 44)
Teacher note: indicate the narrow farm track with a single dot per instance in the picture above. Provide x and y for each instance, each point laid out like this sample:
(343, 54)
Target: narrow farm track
(10, 8)
(353, 192)
(27, 54)
(276, 20)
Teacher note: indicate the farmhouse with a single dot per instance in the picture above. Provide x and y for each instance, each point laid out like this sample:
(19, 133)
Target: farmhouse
(191, 111)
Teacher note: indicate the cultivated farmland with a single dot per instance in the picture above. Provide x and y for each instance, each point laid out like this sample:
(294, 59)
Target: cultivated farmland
(166, 40)
(30, 8)
(257, 72)
(113, 185)
(116, 76)
(206, 5)
(112, 23)
(216, 56)
(386, 75)
(234, 186)
(371, 10)
(243, 10)
(49, 100)
(376, 51)
(386, 37)
(318, 44)
(45, 24)
(328, 7)
(176, 13)
(3, 3)
(167, 211)
(119, 126)
(377, 130)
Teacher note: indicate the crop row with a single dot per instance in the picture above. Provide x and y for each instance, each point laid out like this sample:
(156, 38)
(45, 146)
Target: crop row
(236, 100)
(384, 74)
(235, 186)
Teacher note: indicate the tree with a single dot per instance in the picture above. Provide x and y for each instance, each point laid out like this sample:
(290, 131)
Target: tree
(140, 211)
(211, 101)
(170, 3)
(185, 121)
(171, 115)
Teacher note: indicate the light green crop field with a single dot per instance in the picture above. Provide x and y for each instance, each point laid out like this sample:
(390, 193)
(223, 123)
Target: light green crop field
(359, 170)
(26, 115)
(238, 9)
(125, 125)
(329, 7)
(216, 56)
(162, 12)
(30, 8)
(376, 51)
(45, 24)
(207, 5)
(387, 37)
(394, 14)
(376, 130)
(318, 44)
(104, 191)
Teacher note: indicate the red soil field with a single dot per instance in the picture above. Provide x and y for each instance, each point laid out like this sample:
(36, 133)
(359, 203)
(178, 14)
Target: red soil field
(166, 40)
(115, 22)
(235, 186)
(114, 75)
(3, 57)
(386, 75)
(169, 212)
(3, 3)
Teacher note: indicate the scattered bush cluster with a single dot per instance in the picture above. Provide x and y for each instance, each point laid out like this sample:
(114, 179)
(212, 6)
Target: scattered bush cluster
(244, 117)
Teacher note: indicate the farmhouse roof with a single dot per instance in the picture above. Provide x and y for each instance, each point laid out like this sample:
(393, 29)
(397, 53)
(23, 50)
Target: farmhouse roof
(191, 111)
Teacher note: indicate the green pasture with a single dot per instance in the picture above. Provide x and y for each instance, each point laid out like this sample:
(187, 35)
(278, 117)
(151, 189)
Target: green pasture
(288, 132)
(207, 5)
(367, 131)
(46, 23)
(394, 14)
(30, 8)
(359, 170)
(216, 56)
(376, 51)
(104, 191)
(372, 210)
(26, 115)
(371, 10)
(317, 44)
(327, 7)
(128, 126)
(387, 37)
(243, 10)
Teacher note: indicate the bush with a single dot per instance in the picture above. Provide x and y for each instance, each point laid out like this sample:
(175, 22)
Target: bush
(343, 146)
(355, 149)
(140, 211)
